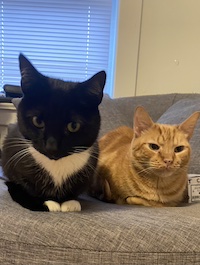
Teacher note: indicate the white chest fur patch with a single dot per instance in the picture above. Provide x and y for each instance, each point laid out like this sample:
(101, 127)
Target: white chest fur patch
(62, 168)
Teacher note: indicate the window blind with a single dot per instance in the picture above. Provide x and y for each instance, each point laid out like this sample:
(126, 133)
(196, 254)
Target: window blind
(65, 39)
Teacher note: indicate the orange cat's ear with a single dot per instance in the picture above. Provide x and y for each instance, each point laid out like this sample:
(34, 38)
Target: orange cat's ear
(142, 121)
(188, 125)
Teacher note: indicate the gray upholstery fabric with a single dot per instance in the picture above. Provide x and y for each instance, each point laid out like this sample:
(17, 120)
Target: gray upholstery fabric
(105, 233)
(101, 234)
(120, 111)
(111, 116)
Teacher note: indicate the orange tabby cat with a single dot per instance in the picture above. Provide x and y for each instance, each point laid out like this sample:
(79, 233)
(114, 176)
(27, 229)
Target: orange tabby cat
(147, 165)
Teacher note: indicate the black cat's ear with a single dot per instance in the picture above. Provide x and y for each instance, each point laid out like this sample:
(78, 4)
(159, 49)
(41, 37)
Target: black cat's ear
(29, 75)
(93, 87)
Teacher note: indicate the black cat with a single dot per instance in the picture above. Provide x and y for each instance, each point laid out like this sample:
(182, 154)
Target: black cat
(50, 155)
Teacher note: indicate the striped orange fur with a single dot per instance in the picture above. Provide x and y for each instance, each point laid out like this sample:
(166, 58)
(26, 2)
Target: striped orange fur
(146, 165)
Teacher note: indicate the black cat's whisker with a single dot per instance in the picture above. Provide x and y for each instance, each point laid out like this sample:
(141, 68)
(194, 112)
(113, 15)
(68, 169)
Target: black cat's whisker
(16, 143)
(20, 154)
(83, 148)
(20, 158)
(6, 147)
(89, 164)
(19, 139)
(80, 149)
(92, 167)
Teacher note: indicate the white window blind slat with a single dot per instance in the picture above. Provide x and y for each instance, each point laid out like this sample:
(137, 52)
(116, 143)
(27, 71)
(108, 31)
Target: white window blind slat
(64, 38)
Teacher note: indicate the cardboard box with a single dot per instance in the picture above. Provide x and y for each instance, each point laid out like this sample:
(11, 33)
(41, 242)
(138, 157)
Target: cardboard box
(194, 187)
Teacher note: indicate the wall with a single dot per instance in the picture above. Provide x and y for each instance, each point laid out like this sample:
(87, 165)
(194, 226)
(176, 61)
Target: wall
(127, 47)
(158, 47)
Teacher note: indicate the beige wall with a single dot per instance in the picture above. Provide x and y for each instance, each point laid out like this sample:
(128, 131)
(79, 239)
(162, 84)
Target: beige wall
(165, 57)
(127, 47)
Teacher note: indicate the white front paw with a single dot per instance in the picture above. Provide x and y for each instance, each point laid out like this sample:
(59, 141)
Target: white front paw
(53, 206)
(70, 206)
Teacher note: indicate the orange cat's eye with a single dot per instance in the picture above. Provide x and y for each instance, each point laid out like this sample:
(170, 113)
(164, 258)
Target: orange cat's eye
(179, 149)
(154, 147)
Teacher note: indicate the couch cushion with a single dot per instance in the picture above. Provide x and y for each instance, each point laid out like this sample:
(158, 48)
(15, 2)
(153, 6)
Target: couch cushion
(119, 111)
(101, 233)
(176, 114)
(111, 117)
(156, 105)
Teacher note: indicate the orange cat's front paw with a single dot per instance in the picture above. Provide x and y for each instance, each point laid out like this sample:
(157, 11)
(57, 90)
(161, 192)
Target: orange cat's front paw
(142, 201)
(136, 200)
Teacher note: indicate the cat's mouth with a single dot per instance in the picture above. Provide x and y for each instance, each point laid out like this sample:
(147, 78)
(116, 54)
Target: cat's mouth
(54, 155)
(166, 171)
(59, 152)
(57, 155)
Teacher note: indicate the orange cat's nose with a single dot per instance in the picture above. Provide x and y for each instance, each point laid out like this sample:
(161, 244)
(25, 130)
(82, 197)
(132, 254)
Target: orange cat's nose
(168, 161)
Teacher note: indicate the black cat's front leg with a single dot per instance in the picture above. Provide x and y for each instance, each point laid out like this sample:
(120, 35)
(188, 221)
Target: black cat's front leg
(19, 195)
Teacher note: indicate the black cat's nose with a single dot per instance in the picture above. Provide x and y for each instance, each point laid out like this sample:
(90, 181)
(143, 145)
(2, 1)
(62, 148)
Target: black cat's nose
(51, 144)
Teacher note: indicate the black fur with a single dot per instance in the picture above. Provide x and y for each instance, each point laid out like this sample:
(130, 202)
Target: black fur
(54, 104)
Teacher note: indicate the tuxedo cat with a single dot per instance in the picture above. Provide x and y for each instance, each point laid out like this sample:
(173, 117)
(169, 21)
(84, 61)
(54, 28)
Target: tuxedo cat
(50, 155)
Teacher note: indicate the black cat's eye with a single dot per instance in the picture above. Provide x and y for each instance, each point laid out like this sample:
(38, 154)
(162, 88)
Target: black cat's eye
(154, 147)
(73, 126)
(37, 122)
(179, 149)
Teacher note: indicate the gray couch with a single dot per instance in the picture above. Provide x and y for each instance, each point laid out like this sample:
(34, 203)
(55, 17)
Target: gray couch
(105, 233)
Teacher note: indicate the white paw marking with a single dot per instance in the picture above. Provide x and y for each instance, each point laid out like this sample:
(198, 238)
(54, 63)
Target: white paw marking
(70, 206)
(53, 206)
